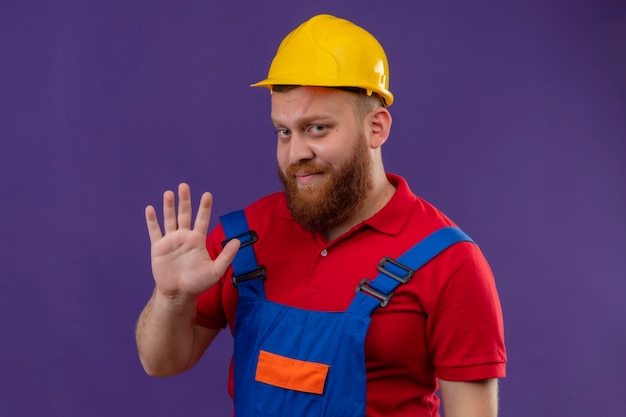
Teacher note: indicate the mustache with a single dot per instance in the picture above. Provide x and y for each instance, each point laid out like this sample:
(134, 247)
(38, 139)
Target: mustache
(306, 167)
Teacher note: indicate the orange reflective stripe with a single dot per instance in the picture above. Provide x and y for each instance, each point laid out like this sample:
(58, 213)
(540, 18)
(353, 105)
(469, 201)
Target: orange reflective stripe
(293, 374)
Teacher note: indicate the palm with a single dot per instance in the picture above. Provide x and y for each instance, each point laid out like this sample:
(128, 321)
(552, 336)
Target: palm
(181, 264)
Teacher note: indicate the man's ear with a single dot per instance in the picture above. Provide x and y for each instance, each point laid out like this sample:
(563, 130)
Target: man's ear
(378, 123)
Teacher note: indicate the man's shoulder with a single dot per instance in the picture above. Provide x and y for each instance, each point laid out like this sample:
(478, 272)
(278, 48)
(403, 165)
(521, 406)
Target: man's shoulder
(274, 204)
(267, 211)
(260, 214)
(421, 217)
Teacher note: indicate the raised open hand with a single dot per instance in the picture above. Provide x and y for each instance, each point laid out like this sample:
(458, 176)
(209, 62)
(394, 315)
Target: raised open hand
(181, 265)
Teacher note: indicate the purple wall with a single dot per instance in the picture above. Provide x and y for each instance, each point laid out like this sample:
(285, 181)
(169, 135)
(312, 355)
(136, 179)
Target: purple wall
(510, 117)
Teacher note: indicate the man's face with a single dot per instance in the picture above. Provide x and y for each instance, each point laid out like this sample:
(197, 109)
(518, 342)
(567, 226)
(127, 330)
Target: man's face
(323, 157)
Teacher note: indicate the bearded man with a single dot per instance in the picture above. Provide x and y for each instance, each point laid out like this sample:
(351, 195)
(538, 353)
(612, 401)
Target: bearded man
(347, 294)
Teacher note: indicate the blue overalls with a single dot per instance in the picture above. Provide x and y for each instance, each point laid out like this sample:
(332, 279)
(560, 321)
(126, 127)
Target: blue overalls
(294, 362)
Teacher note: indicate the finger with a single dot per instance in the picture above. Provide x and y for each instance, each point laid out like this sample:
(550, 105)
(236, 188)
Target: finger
(169, 212)
(203, 217)
(225, 258)
(184, 206)
(154, 230)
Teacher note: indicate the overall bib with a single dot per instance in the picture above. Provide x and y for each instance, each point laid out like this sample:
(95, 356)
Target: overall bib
(294, 362)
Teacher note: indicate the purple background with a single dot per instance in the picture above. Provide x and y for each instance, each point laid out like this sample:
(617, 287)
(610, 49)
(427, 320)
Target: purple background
(509, 116)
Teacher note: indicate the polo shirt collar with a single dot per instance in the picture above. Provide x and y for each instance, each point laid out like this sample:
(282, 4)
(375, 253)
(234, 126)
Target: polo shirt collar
(394, 215)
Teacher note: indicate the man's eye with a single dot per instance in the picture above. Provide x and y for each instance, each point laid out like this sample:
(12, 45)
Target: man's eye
(282, 132)
(317, 128)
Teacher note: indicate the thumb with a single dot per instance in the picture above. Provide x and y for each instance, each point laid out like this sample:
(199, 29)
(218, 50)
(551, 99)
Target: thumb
(225, 258)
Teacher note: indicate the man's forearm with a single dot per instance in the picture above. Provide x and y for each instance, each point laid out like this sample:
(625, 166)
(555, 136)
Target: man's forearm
(165, 335)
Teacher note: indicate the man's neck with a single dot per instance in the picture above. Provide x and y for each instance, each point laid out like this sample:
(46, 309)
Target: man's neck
(377, 199)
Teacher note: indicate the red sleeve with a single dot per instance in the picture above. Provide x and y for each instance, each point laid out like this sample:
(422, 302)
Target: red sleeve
(465, 327)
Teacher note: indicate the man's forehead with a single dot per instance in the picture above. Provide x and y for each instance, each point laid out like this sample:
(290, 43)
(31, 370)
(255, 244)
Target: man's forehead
(307, 101)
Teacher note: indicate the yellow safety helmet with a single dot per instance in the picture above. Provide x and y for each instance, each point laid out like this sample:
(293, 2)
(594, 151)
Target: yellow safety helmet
(327, 51)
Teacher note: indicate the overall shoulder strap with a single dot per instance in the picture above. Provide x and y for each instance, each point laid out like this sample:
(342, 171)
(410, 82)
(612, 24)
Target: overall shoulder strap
(371, 294)
(246, 268)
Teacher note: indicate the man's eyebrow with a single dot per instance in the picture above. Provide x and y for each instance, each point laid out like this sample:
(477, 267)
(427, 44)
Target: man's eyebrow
(307, 120)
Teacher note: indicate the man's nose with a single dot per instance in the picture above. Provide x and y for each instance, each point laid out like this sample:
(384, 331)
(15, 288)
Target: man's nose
(299, 149)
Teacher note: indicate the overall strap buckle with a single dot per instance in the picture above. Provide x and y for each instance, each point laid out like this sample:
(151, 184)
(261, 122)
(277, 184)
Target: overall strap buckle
(364, 286)
(254, 274)
(399, 268)
(388, 267)
(246, 238)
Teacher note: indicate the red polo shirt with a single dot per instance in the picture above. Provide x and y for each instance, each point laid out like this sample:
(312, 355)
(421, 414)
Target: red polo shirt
(446, 322)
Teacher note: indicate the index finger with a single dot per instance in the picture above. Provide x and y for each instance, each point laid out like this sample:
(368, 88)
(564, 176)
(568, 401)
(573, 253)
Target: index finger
(203, 217)
(154, 230)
